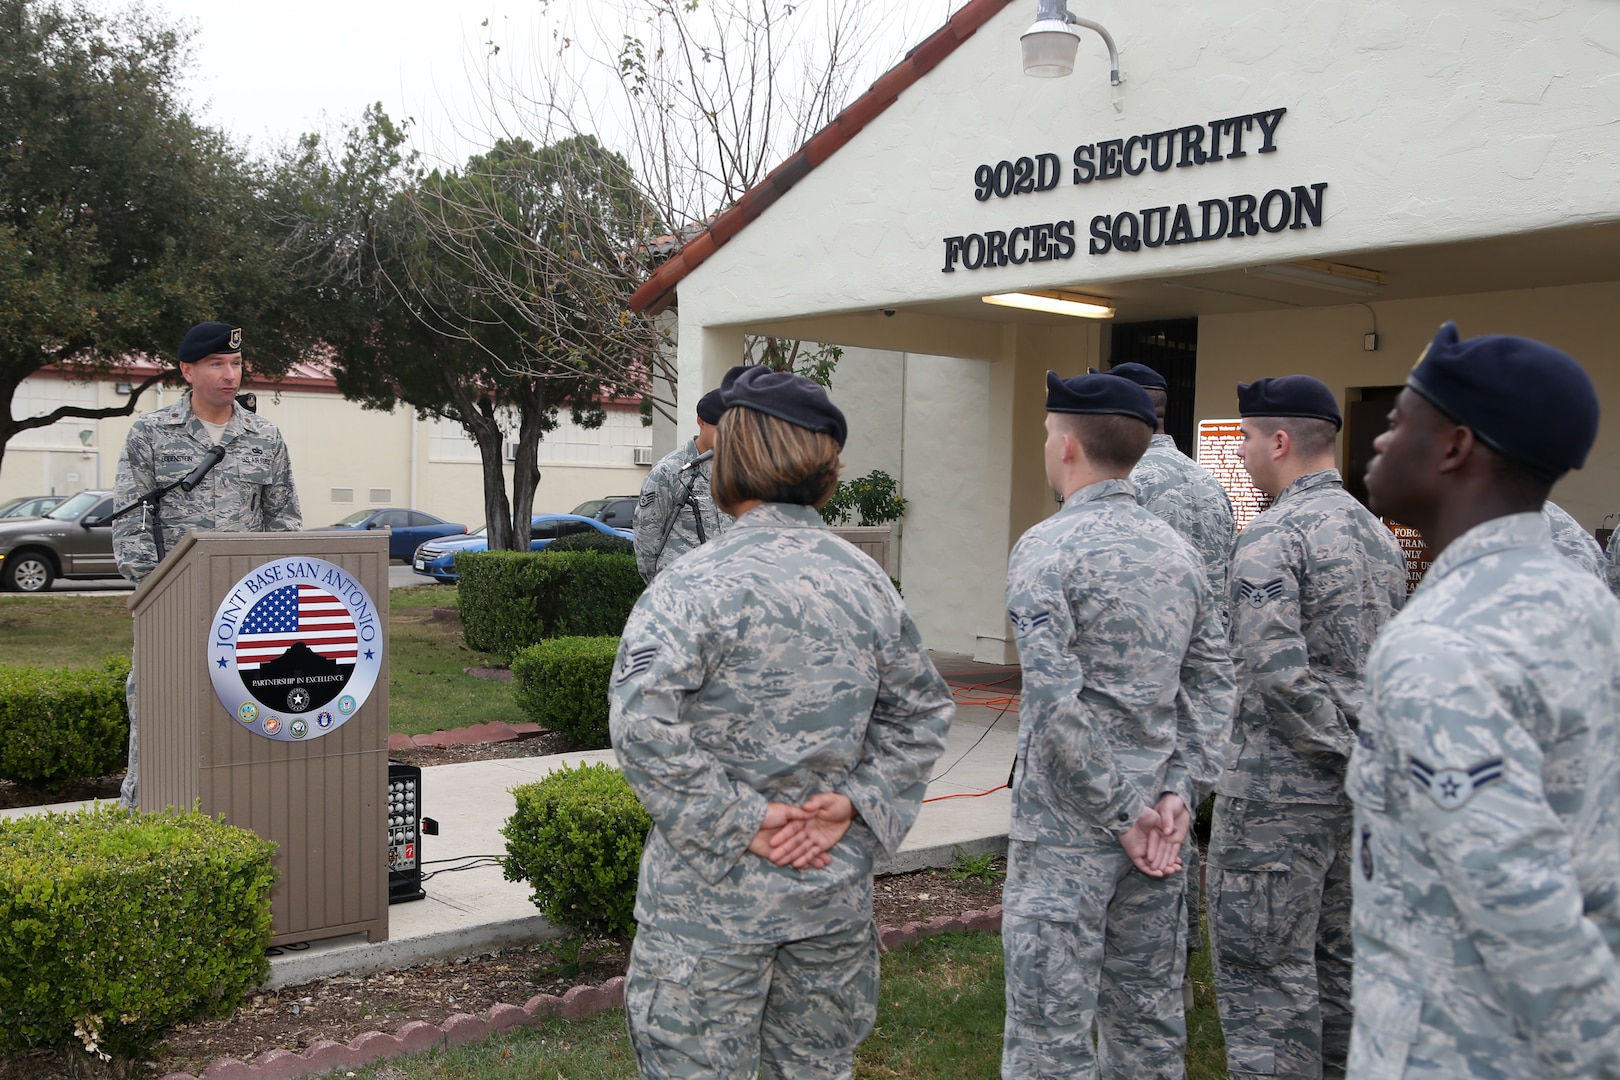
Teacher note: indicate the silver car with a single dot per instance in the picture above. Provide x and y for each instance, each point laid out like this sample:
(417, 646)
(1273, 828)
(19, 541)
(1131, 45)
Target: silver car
(67, 542)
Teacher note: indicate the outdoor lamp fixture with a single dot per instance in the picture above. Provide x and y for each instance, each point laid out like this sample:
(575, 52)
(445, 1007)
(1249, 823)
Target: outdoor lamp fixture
(1321, 274)
(1056, 302)
(1050, 45)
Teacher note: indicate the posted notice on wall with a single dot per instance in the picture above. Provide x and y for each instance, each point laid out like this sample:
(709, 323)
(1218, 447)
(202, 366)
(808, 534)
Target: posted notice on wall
(1218, 442)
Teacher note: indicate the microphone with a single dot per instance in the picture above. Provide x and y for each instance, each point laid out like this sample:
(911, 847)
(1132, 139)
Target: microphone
(215, 455)
(700, 459)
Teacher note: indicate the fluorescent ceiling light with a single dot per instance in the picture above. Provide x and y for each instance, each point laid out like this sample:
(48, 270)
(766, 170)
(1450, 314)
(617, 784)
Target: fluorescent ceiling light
(1320, 274)
(1056, 302)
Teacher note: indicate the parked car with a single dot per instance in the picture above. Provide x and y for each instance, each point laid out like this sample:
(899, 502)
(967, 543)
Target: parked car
(412, 528)
(615, 511)
(30, 506)
(67, 542)
(437, 558)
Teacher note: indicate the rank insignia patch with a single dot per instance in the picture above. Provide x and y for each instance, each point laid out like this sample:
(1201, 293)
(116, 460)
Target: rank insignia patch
(1023, 624)
(1260, 595)
(1452, 788)
(636, 661)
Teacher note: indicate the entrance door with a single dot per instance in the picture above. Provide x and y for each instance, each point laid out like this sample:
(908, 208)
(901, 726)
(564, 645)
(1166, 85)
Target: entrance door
(1169, 347)
(1365, 419)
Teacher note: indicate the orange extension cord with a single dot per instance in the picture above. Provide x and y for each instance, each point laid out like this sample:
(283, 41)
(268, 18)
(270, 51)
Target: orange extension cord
(1002, 703)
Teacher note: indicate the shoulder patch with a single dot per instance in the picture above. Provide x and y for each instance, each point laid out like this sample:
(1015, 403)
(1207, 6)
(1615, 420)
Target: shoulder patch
(1452, 788)
(1023, 624)
(1259, 595)
(636, 662)
(648, 497)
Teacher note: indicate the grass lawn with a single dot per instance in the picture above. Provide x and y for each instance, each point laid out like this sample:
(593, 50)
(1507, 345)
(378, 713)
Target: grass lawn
(939, 1018)
(426, 655)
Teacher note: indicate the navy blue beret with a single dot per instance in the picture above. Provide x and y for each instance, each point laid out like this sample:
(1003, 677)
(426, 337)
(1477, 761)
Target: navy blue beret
(1523, 399)
(1099, 394)
(786, 396)
(1289, 395)
(1141, 375)
(208, 338)
(710, 407)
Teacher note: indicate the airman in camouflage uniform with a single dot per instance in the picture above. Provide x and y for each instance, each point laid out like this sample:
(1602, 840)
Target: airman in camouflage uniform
(676, 513)
(1127, 703)
(250, 490)
(1573, 541)
(769, 673)
(1487, 780)
(1611, 562)
(1314, 578)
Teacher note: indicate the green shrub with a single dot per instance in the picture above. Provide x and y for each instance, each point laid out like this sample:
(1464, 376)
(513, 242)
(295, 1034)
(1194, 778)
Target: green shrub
(563, 685)
(509, 599)
(115, 925)
(590, 541)
(576, 838)
(874, 499)
(57, 726)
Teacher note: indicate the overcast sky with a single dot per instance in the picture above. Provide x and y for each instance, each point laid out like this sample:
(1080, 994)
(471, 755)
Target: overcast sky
(268, 71)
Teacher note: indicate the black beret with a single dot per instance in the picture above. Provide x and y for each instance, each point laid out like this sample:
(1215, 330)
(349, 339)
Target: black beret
(786, 396)
(208, 338)
(1524, 399)
(1101, 394)
(1141, 375)
(1289, 395)
(710, 407)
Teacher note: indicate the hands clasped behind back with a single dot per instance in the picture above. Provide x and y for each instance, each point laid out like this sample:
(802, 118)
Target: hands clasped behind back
(801, 836)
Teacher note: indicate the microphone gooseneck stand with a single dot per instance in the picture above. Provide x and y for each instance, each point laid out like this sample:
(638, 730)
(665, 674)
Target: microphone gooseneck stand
(152, 500)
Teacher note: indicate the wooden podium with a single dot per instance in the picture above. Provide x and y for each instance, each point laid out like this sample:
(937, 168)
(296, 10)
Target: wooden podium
(320, 796)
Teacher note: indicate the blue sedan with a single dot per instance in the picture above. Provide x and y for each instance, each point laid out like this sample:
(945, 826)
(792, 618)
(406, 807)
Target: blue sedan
(411, 528)
(437, 558)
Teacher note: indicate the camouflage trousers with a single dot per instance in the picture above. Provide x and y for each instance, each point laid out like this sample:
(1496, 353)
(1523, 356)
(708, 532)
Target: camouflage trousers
(710, 1009)
(1091, 944)
(126, 791)
(1279, 926)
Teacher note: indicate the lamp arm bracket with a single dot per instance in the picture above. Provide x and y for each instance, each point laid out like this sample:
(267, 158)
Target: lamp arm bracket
(1114, 78)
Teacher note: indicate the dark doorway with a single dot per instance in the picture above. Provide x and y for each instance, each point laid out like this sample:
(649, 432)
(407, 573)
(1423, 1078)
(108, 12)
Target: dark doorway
(1169, 347)
(1366, 417)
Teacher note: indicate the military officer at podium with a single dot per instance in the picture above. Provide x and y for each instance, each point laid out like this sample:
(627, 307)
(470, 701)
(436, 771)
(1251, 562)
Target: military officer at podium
(249, 489)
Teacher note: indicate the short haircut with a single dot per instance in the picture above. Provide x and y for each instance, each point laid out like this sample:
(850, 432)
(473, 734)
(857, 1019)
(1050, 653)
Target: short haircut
(1161, 401)
(1112, 443)
(1517, 475)
(1312, 437)
(757, 456)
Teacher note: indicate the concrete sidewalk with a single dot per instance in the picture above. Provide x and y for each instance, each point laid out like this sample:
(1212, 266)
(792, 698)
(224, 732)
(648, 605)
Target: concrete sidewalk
(470, 907)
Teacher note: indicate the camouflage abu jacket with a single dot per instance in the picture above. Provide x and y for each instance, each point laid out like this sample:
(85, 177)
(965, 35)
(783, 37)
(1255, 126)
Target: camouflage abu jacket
(1187, 497)
(1128, 687)
(1314, 578)
(1572, 540)
(1487, 796)
(772, 664)
(660, 494)
(251, 490)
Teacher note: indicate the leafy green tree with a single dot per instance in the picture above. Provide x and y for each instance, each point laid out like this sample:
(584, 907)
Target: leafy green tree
(122, 220)
(494, 295)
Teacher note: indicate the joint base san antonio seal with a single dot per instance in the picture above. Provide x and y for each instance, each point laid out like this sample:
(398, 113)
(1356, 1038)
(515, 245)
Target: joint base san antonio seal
(295, 649)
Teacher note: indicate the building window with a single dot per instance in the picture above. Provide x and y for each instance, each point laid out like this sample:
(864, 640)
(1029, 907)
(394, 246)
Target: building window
(381, 495)
(343, 495)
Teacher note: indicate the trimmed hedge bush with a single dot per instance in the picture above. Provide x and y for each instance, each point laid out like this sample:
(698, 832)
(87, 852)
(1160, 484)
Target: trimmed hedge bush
(576, 838)
(116, 925)
(562, 684)
(57, 726)
(591, 541)
(510, 599)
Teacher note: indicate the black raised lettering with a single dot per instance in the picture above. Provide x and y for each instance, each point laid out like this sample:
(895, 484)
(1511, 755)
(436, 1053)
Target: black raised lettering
(1167, 140)
(1108, 160)
(1137, 142)
(971, 258)
(1012, 244)
(983, 182)
(1268, 129)
(1085, 164)
(1276, 197)
(1127, 232)
(1236, 127)
(1047, 171)
(1040, 243)
(1181, 227)
(1192, 146)
(1214, 142)
(1102, 237)
(1023, 176)
(1209, 208)
(995, 249)
(1243, 223)
(1162, 213)
(953, 251)
(1308, 205)
(1063, 235)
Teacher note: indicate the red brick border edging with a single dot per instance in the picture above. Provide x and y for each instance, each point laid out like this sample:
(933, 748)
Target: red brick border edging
(577, 1004)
